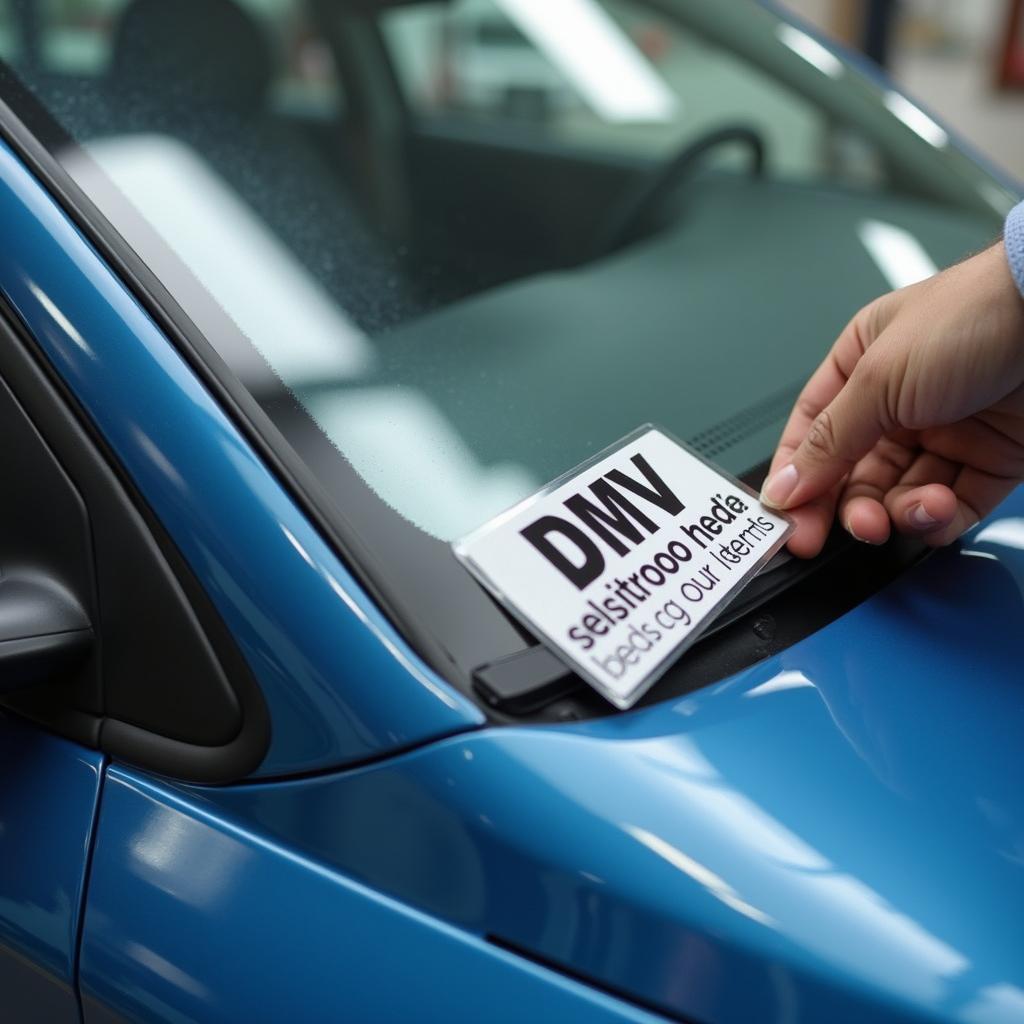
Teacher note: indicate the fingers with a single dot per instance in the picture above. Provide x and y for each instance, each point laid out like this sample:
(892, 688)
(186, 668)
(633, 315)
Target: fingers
(976, 494)
(837, 419)
(814, 517)
(813, 522)
(922, 500)
(861, 508)
(839, 436)
(931, 510)
(921, 356)
(979, 441)
(952, 500)
(866, 520)
(825, 383)
(838, 432)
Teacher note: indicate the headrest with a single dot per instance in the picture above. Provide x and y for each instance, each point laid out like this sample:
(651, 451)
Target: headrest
(210, 51)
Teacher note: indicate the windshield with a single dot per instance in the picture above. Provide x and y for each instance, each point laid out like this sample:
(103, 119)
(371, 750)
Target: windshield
(453, 249)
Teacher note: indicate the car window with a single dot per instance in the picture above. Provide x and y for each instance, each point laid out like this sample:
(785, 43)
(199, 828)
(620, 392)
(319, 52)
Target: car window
(10, 41)
(77, 38)
(525, 229)
(494, 62)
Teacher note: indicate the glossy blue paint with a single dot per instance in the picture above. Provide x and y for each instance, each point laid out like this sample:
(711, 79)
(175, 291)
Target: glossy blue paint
(341, 684)
(836, 834)
(49, 789)
(193, 919)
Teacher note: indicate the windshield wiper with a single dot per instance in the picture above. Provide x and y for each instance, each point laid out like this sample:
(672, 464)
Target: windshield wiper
(790, 599)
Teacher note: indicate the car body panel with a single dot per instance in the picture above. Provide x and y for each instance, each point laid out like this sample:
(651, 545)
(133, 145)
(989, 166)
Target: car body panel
(48, 803)
(340, 683)
(192, 918)
(835, 834)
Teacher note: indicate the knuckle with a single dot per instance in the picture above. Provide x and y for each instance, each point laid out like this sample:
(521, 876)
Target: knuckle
(821, 437)
(872, 373)
(863, 326)
(879, 380)
(806, 408)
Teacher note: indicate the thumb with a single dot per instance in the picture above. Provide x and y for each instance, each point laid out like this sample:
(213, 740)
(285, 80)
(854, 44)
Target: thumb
(838, 437)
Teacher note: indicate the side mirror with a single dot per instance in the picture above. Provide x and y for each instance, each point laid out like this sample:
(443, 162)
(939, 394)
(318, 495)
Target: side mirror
(43, 630)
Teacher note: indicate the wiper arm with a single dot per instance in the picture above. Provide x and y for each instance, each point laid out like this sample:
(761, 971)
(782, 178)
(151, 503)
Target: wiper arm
(798, 597)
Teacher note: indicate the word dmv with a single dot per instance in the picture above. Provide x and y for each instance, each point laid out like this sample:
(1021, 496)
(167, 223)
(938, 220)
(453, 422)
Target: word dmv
(616, 520)
(620, 565)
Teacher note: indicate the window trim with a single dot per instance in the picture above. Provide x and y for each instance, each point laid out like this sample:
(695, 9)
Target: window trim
(52, 410)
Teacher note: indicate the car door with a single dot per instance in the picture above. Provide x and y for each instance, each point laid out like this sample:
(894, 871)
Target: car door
(82, 584)
(103, 646)
(48, 801)
(50, 786)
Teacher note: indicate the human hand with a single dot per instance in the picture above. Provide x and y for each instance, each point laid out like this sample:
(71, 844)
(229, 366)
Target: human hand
(915, 420)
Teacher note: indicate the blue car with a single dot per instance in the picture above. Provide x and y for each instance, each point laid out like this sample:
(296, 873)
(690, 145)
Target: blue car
(295, 294)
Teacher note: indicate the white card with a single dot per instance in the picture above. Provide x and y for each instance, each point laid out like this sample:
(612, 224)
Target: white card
(620, 565)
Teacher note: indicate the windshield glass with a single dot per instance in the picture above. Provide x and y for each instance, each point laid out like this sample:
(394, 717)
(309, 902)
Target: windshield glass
(453, 249)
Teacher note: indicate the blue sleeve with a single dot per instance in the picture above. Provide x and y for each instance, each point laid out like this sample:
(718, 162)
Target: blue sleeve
(1013, 239)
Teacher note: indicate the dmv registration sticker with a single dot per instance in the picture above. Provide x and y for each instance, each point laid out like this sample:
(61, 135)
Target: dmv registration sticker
(620, 564)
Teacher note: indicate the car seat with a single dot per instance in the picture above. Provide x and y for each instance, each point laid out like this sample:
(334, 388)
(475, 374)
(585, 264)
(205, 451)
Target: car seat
(200, 71)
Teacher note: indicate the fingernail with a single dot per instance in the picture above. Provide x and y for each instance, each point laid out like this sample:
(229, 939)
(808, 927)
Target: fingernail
(780, 486)
(919, 518)
(863, 540)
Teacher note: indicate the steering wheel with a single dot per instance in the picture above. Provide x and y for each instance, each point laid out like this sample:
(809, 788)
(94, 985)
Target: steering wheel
(639, 206)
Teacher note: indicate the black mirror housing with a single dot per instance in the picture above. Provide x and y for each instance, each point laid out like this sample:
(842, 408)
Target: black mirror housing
(43, 630)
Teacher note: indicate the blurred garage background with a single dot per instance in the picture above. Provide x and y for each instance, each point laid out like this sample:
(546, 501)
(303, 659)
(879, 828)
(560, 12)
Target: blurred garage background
(963, 60)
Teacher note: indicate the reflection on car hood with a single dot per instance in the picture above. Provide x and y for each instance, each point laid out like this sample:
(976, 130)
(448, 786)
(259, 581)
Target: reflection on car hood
(836, 834)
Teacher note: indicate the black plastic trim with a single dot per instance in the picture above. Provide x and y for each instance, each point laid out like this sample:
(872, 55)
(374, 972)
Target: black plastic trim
(525, 681)
(26, 370)
(83, 902)
(25, 660)
(804, 597)
(186, 762)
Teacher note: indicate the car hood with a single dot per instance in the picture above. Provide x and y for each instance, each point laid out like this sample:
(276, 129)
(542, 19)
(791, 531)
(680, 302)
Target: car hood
(835, 834)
